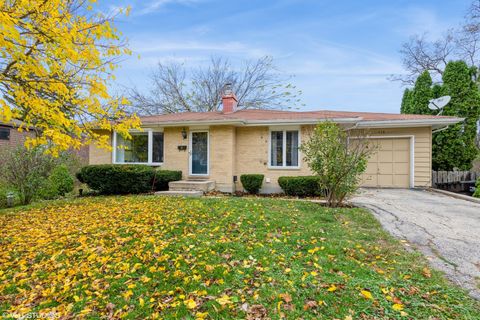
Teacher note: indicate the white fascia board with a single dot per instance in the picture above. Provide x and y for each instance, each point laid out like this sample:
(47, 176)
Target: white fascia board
(298, 121)
(437, 123)
(193, 123)
(241, 122)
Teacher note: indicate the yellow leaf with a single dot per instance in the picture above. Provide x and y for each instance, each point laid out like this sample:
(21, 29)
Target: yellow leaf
(201, 315)
(288, 270)
(142, 302)
(224, 300)
(332, 288)
(190, 303)
(128, 294)
(366, 294)
(397, 307)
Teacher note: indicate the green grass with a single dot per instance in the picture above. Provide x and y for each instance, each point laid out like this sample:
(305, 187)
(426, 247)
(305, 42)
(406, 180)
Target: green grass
(227, 258)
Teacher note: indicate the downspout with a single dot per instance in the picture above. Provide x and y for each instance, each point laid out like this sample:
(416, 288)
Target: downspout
(441, 129)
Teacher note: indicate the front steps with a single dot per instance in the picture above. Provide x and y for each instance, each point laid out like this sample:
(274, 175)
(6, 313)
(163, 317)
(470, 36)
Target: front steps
(188, 188)
(191, 185)
(187, 194)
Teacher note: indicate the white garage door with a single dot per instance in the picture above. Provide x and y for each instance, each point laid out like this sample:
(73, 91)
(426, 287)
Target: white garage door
(389, 166)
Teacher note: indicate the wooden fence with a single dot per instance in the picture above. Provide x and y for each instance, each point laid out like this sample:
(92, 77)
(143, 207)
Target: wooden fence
(454, 179)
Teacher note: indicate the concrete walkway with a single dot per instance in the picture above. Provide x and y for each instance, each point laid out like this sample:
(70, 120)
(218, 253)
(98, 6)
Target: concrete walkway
(445, 229)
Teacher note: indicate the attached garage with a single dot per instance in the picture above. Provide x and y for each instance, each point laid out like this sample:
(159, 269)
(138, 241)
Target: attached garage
(391, 165)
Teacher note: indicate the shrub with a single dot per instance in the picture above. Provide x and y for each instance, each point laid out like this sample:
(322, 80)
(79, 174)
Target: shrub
(26, 171)
(59, 183)
(476, 194)
(163, 177)
(338, 158)
(117, 178)
(252, 182)
(303, 186)
(30, 172)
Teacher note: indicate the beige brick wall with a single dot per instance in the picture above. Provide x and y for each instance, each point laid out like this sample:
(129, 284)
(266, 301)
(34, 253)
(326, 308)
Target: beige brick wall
(252, 157)
(222, 150)
(174, 159)
(252, 154)
(97, 155)
(242, 150)
(222, 155)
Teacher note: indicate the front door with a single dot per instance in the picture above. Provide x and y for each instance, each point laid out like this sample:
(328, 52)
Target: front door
(199, 153)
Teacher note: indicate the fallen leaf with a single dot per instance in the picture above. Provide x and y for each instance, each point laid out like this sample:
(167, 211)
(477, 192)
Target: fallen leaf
(224, 300)
(397, 307)
(285, 297)
(190, 303)
(427, 273)
(332, 288)
(366, 294)
(310, 305)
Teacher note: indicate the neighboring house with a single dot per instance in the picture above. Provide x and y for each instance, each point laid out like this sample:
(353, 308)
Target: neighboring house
(11, 137)
(221, 146)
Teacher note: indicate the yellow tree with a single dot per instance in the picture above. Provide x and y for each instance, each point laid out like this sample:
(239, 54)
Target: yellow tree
(56, 57)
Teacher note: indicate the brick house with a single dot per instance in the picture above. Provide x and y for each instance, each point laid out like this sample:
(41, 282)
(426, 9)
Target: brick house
(222, 145)
(10, 137)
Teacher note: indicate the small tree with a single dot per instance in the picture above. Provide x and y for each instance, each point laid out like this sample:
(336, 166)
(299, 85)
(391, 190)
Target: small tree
(339, 158)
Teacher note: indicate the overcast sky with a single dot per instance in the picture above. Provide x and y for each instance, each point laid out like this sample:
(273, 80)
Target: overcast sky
(339, 52)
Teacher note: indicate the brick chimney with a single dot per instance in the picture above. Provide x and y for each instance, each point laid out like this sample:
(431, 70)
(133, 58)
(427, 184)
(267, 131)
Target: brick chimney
(229, 100)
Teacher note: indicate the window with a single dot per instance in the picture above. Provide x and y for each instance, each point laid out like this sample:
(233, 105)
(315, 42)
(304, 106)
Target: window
(4, 133)
(284, 148)
(157, 147)
(144, 147)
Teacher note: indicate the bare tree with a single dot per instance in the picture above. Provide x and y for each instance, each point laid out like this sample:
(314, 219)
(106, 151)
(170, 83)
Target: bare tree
(463, 43)
(177, 88)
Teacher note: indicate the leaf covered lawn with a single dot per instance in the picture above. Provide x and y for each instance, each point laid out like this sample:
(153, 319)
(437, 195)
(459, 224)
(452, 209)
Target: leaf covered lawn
(153, 257)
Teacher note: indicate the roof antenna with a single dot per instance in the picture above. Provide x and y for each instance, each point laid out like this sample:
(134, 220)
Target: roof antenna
(438, 104)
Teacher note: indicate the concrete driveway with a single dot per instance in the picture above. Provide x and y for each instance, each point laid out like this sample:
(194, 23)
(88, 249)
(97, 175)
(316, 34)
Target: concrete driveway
(445, 229)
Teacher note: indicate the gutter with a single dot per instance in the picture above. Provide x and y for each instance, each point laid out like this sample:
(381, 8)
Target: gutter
(409, 123)
(300, 121)
(241, 122)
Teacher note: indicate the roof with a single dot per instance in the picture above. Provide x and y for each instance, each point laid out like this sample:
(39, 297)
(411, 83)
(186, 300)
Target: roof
(271, 117)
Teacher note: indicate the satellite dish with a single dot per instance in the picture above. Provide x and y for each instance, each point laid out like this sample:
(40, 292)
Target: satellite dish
(439, 103)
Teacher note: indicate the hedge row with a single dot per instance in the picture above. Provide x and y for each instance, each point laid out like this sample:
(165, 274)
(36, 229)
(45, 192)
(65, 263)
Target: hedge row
(301, 186)
(125, 179)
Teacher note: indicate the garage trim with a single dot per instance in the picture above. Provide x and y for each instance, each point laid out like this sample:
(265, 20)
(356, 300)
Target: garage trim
(412, 152)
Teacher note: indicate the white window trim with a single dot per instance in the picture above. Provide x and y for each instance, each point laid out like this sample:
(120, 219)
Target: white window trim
(284, 147)
(150, 148)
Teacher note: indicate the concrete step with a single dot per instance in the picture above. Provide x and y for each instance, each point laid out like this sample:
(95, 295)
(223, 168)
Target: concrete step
(186, 194)
(191, 185)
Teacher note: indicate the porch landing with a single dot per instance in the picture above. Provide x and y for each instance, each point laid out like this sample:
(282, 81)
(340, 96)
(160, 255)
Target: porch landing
(192, 185)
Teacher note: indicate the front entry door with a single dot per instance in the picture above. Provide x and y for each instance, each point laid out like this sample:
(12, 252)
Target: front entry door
(199, 153)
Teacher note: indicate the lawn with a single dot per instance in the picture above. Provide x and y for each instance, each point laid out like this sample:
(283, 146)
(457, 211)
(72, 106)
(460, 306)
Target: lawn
(151, 257)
